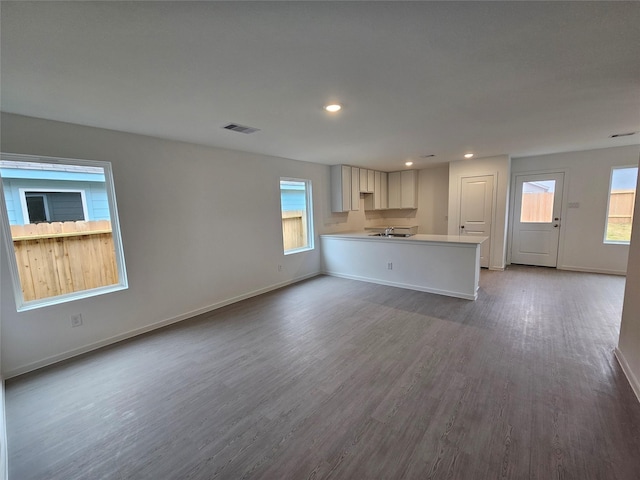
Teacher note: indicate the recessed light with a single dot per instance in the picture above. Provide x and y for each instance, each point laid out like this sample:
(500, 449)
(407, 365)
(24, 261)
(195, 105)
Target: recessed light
(468, 155)
(408, 164)
(333, 108)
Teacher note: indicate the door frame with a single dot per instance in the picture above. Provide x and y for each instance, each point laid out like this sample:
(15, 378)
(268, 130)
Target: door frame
(563, 210)
(494, 208)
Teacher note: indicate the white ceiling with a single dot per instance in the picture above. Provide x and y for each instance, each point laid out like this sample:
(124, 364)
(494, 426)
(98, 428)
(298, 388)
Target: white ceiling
(443, 78)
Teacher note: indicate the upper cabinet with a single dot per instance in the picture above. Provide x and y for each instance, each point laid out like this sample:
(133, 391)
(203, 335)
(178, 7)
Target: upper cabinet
(403, 189)
(383, 190)
(355, 188)
(367, 180)
(340, 188)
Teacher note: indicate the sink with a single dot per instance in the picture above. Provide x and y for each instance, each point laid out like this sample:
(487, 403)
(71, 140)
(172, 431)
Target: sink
(397, 235)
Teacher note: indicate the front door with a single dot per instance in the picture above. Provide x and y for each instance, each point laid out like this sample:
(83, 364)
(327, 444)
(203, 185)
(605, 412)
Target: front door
(536, 219)
(476, 207)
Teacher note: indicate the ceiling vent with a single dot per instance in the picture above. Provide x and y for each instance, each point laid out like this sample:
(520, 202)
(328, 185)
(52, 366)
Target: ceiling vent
(240, 128)
(616, 135)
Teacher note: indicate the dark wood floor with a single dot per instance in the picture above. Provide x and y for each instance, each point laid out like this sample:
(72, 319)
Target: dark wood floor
(338, 379)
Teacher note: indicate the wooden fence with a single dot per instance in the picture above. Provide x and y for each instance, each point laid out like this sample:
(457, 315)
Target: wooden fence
(58, 258)
(621, 205)
(294, 229)
(537, 207)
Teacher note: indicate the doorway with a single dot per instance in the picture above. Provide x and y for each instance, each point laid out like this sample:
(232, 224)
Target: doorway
(476, 210)
(536, 219)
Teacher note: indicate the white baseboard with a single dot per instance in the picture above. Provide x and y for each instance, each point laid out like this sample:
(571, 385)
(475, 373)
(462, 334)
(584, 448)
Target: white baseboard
(571, 268)
(633, 381)
(419, 288)
(4, 464)
(153, 326)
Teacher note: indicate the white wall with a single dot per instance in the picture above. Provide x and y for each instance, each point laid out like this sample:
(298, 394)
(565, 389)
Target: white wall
(629, 343)
(586, 181)
(433, 200)
(200, 227)
(499, 166)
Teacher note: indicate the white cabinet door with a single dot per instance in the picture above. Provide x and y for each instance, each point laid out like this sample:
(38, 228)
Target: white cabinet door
(384, 191)
(394, 190)
(409, 189)
(355, 188)
(340, 188)
(377, 190)
(371, 181)
(364, 179)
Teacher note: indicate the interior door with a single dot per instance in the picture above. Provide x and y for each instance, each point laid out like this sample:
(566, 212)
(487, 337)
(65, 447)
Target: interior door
(536, 219)
(476, 208)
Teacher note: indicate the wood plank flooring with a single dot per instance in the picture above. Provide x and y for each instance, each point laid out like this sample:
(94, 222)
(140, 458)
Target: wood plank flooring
(338, 379)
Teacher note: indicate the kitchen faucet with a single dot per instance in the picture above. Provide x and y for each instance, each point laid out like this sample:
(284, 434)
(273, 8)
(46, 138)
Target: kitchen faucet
(388, 231)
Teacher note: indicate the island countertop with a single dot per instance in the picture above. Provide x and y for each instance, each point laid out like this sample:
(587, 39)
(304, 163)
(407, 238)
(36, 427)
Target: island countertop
(417, 238)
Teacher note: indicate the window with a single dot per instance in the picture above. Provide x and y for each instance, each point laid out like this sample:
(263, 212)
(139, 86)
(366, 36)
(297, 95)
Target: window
(297, 226)
(622, 198)
(60, 222)
(537, 201)
(67, 206)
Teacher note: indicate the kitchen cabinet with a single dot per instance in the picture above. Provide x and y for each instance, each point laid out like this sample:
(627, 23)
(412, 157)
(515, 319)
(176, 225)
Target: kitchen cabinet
(364, 180)
(378, 200)
(371, 182)
(367, 180)
(355, 188)
(340, 188)
(403, 189)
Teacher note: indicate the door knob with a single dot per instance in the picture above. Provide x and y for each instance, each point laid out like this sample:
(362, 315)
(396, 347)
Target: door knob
(461, 226)
(556, 226)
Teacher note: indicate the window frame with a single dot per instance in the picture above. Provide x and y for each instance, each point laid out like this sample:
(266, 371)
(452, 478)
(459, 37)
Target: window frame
(309, 214)
(23, 200)
(21, 304)
(606, 219)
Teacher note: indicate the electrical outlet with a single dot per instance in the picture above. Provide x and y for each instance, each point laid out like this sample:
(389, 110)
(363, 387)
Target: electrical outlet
(389, 266)
(279, 268)
(76, 320)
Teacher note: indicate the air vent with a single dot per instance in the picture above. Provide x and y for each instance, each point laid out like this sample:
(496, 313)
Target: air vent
(616, 135)
(241, 128)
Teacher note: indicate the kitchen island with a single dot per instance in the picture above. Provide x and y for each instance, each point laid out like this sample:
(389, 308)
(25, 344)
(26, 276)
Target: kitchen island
(443, 264)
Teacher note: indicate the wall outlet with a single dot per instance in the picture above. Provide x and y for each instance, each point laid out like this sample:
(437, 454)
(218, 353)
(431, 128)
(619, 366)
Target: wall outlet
(389, 266)
(279, 268)
(76, 320)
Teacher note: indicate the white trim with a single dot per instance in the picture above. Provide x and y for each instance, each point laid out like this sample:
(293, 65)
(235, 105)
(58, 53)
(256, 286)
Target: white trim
(494, 213)
(448, 293)
(633, 381)
(4, 464)
(148, 328)
(563, 209)
(25, 210)
(605, 271)
(606, 218)
(309, 213)
(5, 228)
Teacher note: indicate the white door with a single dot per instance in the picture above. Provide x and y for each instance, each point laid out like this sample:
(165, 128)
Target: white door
(536, 219)
(476, 207)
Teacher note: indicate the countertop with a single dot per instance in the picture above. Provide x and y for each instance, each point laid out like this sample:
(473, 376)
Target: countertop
(418, 238)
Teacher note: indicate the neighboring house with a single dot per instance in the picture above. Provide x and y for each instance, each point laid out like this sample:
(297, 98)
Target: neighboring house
(292, 196)
(36, 193)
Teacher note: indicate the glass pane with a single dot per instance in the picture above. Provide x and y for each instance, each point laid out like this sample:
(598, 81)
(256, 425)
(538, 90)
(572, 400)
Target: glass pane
(622, 198)
(60, 225)
(293, 197)
(537, 201)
